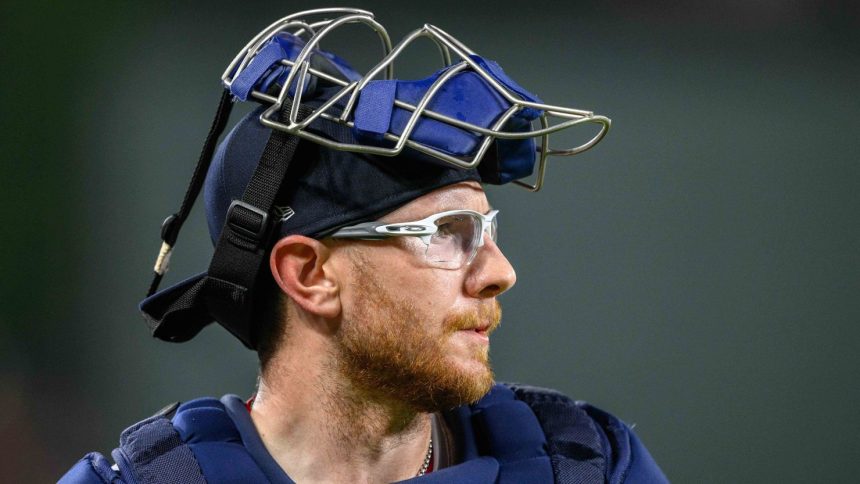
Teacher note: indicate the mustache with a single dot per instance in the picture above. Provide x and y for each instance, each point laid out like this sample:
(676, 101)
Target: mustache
(486, 317)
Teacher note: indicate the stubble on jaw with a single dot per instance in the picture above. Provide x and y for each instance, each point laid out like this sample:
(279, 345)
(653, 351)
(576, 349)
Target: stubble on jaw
(387, 353)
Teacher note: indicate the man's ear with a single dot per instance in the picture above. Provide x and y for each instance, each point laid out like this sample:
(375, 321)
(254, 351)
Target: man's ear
(301, 267)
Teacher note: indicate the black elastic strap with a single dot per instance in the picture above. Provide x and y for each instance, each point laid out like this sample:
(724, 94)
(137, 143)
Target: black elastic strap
(241, 248)
(171, 226)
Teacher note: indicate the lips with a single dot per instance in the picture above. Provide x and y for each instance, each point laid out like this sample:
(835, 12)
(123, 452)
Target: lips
(482, 336)
(482, 321)
(481, 331)
(484, 327)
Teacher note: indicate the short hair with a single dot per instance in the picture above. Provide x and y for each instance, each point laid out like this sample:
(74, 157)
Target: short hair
(271, 320)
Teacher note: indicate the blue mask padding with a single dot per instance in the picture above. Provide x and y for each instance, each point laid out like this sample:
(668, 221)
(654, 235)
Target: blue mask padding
(498, 73)
(467, 97)
(263, 71)
(514, 159)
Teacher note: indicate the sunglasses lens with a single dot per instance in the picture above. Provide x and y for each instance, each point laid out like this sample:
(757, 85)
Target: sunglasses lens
(455, 239)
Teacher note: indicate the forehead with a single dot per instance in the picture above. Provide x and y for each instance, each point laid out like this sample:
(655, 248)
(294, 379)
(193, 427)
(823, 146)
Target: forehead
(464, 195)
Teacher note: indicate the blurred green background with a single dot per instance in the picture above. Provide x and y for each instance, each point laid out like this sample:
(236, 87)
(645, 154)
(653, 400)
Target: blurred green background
(696, 273)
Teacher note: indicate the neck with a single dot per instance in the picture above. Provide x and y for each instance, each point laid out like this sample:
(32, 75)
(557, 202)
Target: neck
(320, 428)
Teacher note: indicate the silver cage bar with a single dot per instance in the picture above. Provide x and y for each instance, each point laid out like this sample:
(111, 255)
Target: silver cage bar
(302, 24)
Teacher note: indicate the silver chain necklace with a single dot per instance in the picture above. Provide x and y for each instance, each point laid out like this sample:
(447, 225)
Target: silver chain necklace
(427, 458)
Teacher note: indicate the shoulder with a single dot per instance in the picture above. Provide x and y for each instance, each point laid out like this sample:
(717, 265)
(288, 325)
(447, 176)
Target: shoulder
(174, 438)
(94, 469)
(583, 437)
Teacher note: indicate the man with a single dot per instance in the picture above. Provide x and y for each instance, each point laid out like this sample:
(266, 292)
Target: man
(365, 273)
(377, 340)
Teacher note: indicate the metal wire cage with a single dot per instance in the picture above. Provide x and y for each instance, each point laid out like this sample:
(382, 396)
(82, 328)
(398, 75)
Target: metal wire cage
(315, 25)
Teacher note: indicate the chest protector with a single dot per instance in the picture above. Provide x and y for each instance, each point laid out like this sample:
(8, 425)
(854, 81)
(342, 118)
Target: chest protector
(514, 435)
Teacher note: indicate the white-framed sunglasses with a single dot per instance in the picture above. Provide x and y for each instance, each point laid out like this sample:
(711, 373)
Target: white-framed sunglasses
(451, 238)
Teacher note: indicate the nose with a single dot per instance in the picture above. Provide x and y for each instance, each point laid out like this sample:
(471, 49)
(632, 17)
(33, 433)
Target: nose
(490, 273)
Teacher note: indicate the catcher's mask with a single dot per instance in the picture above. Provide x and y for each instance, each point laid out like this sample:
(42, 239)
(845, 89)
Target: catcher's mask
(330, 147)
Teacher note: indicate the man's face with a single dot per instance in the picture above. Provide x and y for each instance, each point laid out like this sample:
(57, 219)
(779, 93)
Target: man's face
(416, 333)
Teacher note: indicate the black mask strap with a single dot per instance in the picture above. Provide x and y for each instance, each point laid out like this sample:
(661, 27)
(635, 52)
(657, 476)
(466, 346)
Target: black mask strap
(242, 247)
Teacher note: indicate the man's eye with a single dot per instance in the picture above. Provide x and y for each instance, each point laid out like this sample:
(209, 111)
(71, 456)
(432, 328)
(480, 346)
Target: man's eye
(449, 226)
(445, 230)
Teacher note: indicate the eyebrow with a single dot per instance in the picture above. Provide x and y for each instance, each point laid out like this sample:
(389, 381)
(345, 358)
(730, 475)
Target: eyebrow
(422, 217)
(450, 209)
(490, 208)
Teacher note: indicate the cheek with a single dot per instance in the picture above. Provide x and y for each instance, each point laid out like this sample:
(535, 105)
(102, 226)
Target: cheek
(399, 270)
(435, 291)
